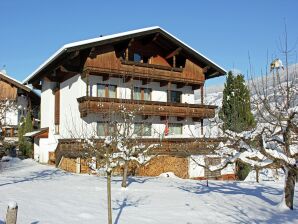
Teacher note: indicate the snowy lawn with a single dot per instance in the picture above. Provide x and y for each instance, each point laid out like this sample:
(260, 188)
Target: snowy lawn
(48, 195)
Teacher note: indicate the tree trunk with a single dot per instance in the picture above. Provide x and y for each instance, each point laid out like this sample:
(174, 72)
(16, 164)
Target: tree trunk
(124, 178)
(290, 187)
(257, 175)
(109, 197)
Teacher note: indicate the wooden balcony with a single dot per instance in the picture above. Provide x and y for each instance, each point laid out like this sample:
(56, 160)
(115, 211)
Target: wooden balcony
(182, 147)
(102, 105)
(151, 72)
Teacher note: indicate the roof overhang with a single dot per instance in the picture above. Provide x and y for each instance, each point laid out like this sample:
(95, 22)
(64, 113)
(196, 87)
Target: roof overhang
(85, 44)
(41, 133)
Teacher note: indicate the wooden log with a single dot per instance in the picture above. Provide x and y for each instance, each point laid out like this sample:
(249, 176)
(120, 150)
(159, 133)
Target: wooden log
(12, 212)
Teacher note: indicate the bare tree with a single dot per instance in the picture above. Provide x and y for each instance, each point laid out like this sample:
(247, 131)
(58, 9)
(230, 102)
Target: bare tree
(122, 144)
(274, 140)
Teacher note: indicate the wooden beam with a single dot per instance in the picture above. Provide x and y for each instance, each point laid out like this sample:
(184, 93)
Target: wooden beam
(130, 42)
(202, 94)
(214, 74)
(105, 77)
(155, 37)
(196, 119)
(145, 117)
(195, 87)
(180, 118)
(180, 85)
(173, 53)
(146, 81)
(164, 83)
(127, 79)
(163, 118)
(205, 69)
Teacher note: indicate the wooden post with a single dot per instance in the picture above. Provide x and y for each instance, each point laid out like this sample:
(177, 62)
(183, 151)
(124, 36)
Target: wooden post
(202, 94)
(169, 91)
(12, 212)
(202, 126)
(174, 61)
(78, 165)
(126, 54)
(87, 84)
(109, 197)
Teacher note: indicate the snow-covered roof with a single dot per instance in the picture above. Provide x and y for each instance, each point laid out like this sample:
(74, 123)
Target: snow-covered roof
(17, 83)
(70, 46)
(36, 133)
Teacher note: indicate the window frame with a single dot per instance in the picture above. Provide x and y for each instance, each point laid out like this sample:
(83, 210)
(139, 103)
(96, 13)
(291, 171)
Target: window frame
(141, 133)
(170, 96)
(173, 125)
(106, 90)
(142, 92)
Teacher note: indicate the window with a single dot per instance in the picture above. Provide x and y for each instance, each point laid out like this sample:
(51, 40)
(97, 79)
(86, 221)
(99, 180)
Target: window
(141, 93)
(175, 96)
(142, 129)
(106, 90)
(104, 129)
(175, 129)
(137, 57)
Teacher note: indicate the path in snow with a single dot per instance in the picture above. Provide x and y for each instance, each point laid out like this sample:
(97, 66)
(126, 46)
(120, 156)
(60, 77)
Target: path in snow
(48, 195)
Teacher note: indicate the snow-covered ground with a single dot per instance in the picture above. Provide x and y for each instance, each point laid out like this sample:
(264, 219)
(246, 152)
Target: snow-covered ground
(48, 195)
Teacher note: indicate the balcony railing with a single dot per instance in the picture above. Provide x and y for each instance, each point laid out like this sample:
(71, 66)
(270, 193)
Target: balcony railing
(146, 71)
(101, 105)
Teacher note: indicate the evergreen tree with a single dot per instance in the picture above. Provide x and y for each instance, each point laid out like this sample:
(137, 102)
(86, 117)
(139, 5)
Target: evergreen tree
(236, 112)
(24, 127)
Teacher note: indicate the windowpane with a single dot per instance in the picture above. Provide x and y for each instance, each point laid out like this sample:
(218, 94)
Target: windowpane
(101, 128)
(142, 129)
(147, 129)
(147, 94)
(175, 96)
(137, 57)
(137, 129)
(101, 90)
(175, 129)
(112, 91)
(137, 93)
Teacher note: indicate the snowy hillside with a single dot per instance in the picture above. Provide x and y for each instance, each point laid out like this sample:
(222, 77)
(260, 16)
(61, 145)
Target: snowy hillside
(214, 94)
(48, 195)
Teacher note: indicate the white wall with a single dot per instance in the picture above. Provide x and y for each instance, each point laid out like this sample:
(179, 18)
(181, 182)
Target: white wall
(47, 108)
(195, 170)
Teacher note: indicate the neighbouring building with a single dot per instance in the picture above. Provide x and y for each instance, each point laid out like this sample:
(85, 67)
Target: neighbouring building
(16, 100)
(149, 67)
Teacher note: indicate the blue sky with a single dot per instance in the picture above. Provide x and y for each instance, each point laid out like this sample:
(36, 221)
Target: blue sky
(224, 31)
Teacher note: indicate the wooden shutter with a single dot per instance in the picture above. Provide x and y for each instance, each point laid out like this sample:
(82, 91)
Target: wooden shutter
(57, 106)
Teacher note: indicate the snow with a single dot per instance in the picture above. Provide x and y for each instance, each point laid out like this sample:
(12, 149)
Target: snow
(48, 195)
(12, 205)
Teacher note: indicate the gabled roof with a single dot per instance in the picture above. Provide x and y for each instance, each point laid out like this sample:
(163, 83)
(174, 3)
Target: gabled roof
(115, 37)
(17, 83)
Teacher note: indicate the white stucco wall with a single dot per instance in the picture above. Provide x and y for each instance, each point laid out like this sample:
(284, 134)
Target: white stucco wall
(195, 170)
(47, 108)
(73, 126)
